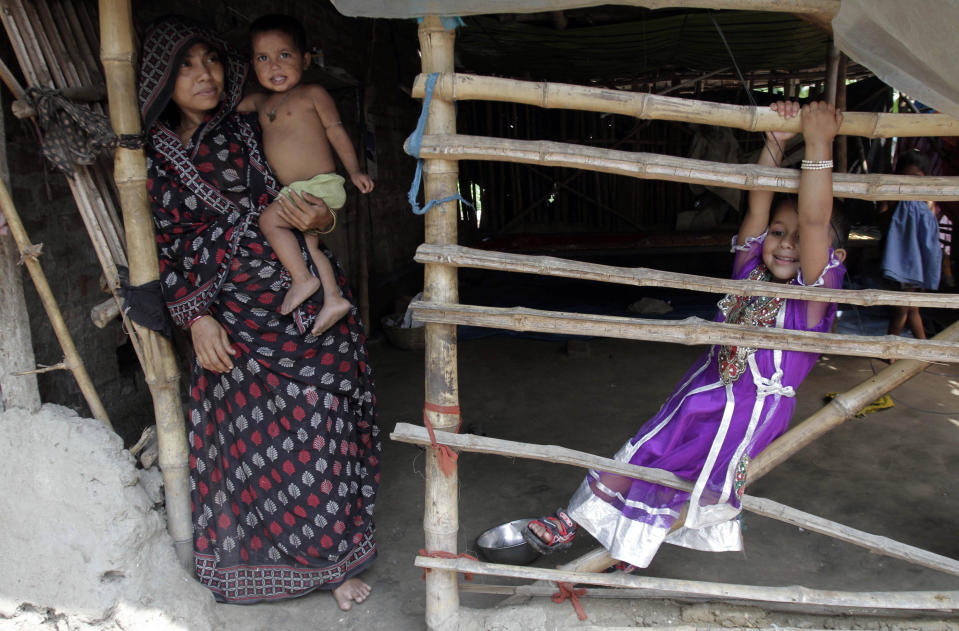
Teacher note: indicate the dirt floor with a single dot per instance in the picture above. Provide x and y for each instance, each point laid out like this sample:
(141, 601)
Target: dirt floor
(887, 473)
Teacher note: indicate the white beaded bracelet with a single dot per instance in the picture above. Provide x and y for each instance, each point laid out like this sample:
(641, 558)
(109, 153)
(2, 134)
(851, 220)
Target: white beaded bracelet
(815, 165)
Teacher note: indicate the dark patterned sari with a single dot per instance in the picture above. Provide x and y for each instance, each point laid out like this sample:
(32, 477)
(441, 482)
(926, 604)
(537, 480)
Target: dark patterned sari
(284, 449)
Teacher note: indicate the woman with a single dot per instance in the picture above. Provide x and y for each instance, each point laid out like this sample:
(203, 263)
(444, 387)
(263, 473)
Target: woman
(284, 446)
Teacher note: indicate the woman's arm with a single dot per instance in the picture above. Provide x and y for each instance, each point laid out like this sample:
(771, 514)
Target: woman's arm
(211, 344)
(305, 212)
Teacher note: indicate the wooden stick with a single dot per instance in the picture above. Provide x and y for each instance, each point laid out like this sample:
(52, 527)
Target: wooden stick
(73, 359)
(464, 87)
(655, 166)
(8, 78)
(461, 256)
(159, 362)
(42, 369)
(928, 600)
(767, 508)
(546, 589)
(441, 514)
(689, 331)
(840, 409)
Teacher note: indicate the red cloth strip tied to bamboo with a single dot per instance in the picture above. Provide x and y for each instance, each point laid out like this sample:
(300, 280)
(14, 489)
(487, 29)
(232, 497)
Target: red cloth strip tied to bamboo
(566, 590)
(447, 457)
(442, 554)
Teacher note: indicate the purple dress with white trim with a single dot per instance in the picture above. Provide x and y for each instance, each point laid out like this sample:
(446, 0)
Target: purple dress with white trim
(728, 407)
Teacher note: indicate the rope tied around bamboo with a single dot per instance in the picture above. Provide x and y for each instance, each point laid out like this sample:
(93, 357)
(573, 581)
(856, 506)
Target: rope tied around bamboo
(414, 144)
(445, 455)
(566, 590)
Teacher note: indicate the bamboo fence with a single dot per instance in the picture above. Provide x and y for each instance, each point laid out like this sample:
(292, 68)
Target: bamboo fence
(443, 148)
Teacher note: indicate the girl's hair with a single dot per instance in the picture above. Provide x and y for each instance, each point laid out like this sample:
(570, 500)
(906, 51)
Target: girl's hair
(912, 158)
(838, 224)
(284, 24)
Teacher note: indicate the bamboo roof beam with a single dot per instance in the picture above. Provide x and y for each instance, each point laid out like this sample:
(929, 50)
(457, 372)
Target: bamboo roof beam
(947, 601)
(660, 167)
(461, 256)
(690, 331)
(467, 87)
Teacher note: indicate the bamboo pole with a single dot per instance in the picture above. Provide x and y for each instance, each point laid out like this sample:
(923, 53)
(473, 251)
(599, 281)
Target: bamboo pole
(441, 516)
(462, 256)
(655, 166)
(464, 87)
(760, 506)
(689, 331)
(839, 410)
(28, 253)
(947, 601)
(159, 362)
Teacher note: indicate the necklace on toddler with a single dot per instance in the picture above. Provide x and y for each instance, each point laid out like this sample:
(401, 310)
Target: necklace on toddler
(271, 115)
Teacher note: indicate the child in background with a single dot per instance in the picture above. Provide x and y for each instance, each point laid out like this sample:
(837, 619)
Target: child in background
(912, 257)
(300, 124)
(735, 400)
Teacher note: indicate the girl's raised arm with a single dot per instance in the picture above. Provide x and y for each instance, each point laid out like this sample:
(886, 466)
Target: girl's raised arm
(820, 123)
(760, 202)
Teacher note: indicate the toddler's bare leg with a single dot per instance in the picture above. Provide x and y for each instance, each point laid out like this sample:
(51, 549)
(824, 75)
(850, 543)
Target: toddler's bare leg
(287, 248)
(335, 306)
(897, 320)
(915, 324)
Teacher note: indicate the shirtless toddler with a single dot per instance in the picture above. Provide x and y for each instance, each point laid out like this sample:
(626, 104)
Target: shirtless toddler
(300, 125)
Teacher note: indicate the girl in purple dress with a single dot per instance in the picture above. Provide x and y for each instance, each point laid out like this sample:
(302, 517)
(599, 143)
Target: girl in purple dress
(734, 401)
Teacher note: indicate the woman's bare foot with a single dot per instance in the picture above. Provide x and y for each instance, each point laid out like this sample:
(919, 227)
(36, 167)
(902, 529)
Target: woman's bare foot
(334, 308)
(299, 291)
(352, 590)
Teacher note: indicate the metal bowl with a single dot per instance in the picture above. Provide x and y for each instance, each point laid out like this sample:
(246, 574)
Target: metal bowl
(505, 544)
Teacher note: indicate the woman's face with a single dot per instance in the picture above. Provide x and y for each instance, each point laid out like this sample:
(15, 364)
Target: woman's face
(199, 81)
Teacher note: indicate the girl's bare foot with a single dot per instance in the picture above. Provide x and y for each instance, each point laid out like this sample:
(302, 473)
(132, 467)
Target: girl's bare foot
(351, 591)
(334, 308)
(299, 291)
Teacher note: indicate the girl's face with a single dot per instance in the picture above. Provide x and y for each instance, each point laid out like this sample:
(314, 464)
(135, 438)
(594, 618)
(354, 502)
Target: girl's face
(278, 64)
(781, 247)
(199, 81)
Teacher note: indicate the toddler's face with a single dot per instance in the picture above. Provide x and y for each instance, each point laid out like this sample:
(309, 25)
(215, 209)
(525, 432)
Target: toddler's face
(278, 64)
(781, 247)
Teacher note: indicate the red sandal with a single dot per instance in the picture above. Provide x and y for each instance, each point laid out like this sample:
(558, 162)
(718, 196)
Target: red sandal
(560, 529)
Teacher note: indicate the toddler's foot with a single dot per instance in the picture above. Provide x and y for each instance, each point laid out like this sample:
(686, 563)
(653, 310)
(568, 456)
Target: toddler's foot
(551, 534)
(333, 309)
(299, 291)
(351, 591)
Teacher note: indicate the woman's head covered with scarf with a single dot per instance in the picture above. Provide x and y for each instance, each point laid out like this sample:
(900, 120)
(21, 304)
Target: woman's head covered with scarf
(165, 44)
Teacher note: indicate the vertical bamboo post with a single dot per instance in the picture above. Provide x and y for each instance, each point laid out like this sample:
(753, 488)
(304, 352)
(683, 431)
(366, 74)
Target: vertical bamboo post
(159, 362)
(842, 142)
(441, 516)
(73, 360)
(832, 68)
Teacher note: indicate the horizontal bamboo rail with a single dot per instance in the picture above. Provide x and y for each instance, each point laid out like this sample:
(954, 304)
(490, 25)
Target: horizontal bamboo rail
(947, 601)
(418, 435)
(672, 169)
(461, 256)
(468, 87)
(689, 331)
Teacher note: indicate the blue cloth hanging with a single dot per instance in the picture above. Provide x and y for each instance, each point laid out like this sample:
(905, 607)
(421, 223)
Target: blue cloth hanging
(412, 147)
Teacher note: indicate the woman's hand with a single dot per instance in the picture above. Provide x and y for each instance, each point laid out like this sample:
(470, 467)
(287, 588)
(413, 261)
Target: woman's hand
(211, 345)
(305, 212)
(786, 110)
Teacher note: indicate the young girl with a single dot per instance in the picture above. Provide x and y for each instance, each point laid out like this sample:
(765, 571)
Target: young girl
(735, 400)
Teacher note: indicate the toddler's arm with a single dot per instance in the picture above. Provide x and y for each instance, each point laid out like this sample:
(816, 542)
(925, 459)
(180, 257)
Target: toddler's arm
(760, 202)
(820, 123)
(339, 139)
(251, 102)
